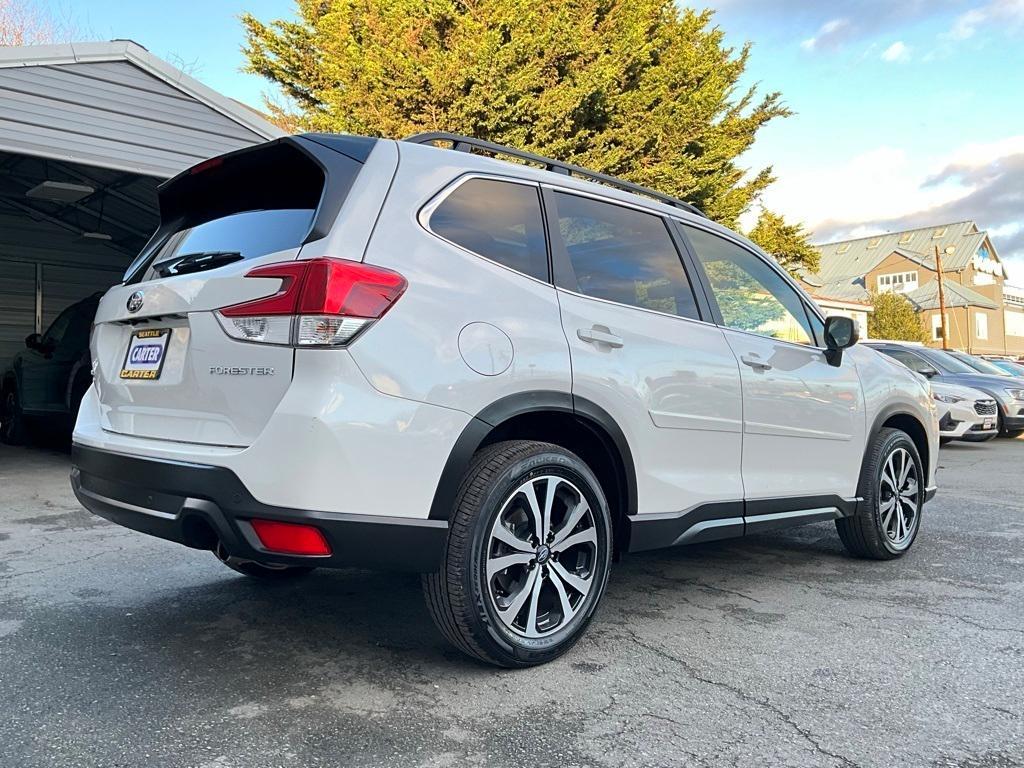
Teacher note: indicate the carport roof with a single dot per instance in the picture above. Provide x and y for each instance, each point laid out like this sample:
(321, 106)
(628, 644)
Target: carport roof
(115, 105)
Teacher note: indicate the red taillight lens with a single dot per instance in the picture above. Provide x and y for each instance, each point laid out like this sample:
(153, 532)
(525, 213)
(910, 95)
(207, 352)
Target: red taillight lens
(331, 301)
(292, 274)
(349, 288)
(290, 538)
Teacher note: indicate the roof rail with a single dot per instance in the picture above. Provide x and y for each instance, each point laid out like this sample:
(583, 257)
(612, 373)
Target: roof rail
(469, 144)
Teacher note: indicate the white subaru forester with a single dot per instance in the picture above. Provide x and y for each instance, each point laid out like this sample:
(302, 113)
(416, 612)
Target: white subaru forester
(342, 351)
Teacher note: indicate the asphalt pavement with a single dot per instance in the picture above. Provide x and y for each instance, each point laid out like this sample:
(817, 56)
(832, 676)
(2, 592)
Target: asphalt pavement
(121, 650)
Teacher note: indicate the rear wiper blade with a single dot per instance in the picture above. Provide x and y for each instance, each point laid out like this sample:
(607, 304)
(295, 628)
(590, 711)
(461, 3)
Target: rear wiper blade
(195, 262)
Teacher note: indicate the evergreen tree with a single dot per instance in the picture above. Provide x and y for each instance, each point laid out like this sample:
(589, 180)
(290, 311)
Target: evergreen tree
(641, 89)
(894, 318)
(786, 242)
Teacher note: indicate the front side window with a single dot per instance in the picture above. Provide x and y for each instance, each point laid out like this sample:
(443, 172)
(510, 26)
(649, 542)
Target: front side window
(751, 296)
(909, 359)
(623, 255)
(499, 220)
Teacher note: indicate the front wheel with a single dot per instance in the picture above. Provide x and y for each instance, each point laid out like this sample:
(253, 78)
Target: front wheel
(892, 488)
(527, 556)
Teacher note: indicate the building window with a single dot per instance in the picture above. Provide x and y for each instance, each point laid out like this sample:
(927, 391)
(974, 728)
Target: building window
(843, 248)
(874, 242)
(981, 325)
(937, 327)
(940, 232)
(1014, 322)
(906, 237)
(897, 282)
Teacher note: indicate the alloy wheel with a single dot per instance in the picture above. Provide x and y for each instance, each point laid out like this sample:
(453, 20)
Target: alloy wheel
(898, 502)
(541, 556)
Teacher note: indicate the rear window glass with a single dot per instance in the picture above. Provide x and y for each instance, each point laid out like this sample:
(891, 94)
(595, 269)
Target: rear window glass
(500, 220)
(622, 255)
(248, 234)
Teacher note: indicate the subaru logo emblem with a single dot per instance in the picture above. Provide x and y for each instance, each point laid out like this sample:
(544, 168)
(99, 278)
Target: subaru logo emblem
(135, 302)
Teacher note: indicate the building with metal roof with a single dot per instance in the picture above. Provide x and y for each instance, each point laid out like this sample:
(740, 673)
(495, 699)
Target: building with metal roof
(87, 131)
(979, 316)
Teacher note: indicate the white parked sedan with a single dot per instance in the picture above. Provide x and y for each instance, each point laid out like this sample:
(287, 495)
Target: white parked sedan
(964, 413)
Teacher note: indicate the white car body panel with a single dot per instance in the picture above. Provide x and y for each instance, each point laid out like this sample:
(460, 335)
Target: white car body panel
(673, 385)
(964, 413)
(801, 408)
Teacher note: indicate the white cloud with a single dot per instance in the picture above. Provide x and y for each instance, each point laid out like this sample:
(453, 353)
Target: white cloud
(831, 34)
(879, 191)
(898, 51)
(1006, 12)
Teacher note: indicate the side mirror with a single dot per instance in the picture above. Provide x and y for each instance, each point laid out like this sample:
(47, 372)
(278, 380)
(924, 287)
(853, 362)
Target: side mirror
(840, 333)
(33, 341)
(927, 371)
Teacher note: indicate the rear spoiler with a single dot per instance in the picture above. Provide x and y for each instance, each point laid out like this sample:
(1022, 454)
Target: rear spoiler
(306, 171)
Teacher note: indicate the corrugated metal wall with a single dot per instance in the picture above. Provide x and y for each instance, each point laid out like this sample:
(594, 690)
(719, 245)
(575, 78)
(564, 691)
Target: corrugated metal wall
(17, 306)
(70, 269)
(111, 114)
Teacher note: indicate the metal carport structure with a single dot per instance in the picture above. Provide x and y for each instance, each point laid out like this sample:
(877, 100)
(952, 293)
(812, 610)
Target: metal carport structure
(87, 132)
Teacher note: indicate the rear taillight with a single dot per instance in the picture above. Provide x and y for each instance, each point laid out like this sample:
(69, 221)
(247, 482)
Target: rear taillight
(319, 303)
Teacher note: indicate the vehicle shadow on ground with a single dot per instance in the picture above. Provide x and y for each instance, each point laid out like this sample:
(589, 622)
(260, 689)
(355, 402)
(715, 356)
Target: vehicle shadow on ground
(238, 633)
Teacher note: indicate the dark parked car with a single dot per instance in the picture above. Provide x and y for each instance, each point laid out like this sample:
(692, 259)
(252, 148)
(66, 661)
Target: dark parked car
(1008, 391)
(46, 381)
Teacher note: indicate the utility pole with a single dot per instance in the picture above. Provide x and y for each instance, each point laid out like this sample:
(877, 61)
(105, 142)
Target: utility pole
(942, 299)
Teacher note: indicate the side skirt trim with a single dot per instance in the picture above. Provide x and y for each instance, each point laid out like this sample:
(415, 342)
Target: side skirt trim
(731, 519)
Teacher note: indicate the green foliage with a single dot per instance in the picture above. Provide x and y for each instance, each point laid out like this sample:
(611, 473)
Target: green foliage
(742, 300)
(894, 318)
(641, 89)
(788, 243)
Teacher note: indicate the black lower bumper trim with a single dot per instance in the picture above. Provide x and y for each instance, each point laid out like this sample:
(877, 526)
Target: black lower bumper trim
(199, 505)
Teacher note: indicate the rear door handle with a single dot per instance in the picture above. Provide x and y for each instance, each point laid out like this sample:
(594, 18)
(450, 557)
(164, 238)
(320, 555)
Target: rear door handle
(600, 335)
(755, 363)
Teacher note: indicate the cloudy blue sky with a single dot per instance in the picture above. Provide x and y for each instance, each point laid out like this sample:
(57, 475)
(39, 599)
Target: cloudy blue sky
(908, 113)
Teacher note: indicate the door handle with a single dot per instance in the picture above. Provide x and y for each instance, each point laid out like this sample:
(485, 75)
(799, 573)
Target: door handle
(600, 335)
(755, 363)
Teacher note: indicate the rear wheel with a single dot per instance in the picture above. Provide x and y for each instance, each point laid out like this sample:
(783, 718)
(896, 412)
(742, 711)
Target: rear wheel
(12, 420)
(892, 488)
(527, 556)
(259, 571)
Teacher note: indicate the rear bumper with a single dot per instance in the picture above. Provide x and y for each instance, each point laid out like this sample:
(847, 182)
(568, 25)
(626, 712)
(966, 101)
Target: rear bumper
(198, 505)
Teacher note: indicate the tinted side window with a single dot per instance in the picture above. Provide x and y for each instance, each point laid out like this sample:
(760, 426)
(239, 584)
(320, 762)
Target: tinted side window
(623, 255)
(55, 333)
(912, 361)
(751, 296)
(500, 220)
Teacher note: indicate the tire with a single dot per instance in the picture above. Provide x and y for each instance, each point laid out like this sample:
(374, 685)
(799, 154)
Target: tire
(533, 610)
(12, 420)
(874, 532)
(1004, 432)
(255, 570)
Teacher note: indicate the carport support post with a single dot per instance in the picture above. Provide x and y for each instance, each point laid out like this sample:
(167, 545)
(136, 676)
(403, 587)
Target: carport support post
(942, 300)
(39, 297)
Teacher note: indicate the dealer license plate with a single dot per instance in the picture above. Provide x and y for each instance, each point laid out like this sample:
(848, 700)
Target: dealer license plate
(146, 352)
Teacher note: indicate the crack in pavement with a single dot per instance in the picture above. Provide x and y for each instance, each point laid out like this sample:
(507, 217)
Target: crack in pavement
(765, 703)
